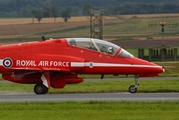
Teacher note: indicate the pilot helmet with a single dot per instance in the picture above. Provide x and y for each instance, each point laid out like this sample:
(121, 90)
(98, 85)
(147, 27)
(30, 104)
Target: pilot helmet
(72, 42)
(110, 50)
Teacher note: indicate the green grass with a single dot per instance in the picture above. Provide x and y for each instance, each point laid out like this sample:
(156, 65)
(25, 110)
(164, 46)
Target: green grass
(146, 86)
(92, 110)
(121, 86)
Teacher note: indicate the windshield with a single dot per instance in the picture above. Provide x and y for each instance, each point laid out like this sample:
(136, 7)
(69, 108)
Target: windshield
(106, 47)
(94, 44)
(124, 53)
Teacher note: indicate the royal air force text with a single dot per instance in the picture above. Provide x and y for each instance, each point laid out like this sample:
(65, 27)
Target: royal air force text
(28, 63)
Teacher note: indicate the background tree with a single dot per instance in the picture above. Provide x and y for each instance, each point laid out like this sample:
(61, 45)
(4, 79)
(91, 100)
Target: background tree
(66, 13)
(18, 8)
(87, 8)
(46, 12)
(24, 11)
(33, 12)
(53, 12)
(37, 14)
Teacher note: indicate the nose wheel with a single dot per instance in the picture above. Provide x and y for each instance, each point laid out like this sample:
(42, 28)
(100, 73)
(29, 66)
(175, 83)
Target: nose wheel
(133, 88)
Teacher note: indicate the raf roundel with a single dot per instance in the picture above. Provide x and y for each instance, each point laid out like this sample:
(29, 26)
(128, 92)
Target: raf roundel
(7, 62)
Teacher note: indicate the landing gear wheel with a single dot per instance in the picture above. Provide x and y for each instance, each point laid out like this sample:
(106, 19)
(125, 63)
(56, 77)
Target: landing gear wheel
(45, 90)
(132, 89)
(40, 89)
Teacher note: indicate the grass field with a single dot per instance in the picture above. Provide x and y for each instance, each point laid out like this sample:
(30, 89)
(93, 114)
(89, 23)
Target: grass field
(90, 111)
(131, 26)
(146, 86)
(136, 27)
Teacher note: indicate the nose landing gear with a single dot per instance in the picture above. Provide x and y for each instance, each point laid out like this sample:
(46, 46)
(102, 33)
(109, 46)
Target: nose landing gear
(133, 88)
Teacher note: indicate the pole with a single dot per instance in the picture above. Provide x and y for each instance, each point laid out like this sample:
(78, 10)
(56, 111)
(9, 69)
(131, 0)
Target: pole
(162, 24)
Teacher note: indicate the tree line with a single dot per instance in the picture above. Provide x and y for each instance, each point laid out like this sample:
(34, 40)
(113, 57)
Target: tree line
(50, 12)
(66, 8)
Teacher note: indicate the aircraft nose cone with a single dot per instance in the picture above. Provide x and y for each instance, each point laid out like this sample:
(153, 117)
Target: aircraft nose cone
(161, 69)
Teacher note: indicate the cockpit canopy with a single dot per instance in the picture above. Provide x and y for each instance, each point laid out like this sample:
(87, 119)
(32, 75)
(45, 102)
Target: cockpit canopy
(98, 45)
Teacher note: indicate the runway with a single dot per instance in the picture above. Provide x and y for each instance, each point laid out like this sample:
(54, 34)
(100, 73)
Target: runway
(90, 97)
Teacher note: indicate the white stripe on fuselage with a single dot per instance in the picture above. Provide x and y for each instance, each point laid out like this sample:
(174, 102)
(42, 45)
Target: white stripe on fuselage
(86, 64)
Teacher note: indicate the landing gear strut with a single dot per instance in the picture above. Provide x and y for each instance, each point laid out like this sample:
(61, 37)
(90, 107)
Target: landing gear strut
(40, 89)
(133, 88)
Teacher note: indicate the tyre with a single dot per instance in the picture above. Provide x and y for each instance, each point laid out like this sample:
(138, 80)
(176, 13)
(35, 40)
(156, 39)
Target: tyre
(132, 89)
(40, 89)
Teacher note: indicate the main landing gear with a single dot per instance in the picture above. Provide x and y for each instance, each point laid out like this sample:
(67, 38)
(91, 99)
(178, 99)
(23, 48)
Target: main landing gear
(40, 89)
(133, 88)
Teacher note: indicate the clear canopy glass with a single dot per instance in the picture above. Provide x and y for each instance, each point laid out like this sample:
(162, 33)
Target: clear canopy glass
(98, 45)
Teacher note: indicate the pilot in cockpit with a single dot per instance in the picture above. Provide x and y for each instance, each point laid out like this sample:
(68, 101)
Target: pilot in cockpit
(72, 42)
(110, 50)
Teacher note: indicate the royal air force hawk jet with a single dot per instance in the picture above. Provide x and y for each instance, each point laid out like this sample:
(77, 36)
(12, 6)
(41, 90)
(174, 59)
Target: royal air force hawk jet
(57, 62)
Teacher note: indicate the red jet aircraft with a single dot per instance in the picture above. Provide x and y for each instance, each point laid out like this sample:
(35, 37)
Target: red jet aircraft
(57, 62)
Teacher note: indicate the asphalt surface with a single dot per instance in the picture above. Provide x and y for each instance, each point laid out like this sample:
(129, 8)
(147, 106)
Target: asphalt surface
(88, 97)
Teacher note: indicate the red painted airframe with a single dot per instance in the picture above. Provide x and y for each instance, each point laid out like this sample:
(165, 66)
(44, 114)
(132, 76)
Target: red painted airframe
(57, 62)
